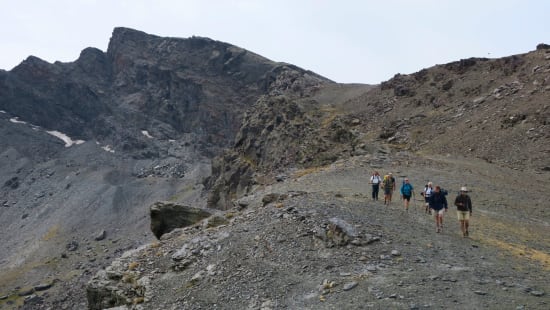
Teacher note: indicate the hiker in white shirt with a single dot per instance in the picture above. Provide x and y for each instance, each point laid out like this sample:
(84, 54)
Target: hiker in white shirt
(427, 192)
(375, 180)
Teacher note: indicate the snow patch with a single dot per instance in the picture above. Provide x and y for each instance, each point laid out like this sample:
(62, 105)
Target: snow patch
(2, 111)
(146, 133)
(108, 148)
(68, 141)
(16, 120)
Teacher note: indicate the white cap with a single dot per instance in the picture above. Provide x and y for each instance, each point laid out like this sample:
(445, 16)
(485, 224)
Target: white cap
(463, 189)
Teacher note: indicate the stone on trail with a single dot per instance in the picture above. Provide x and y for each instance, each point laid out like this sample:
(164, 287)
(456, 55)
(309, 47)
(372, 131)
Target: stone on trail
(349, 286)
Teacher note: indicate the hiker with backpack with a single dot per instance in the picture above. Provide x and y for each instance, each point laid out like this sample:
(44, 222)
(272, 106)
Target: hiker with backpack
(426, 193)
(389, 186)
(375, 180)
(407, 191)
(463, 204)
(438, 203)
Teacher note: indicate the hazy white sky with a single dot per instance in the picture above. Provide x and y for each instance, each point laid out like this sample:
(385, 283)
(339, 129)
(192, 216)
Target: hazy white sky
(346, 41)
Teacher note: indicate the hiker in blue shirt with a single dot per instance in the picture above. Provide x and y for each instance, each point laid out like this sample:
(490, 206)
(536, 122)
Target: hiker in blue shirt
(407, 191)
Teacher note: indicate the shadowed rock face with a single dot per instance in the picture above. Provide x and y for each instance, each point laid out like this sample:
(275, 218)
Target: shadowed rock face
(149, 114)
(166, 86)
(166, 217)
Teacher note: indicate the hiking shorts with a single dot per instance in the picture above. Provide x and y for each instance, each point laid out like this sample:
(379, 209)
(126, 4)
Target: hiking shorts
(407, 197)
(440, 212)
(387, 191)
(463, 215)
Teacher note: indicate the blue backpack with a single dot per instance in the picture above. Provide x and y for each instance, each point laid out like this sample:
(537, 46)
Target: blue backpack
(407, 189)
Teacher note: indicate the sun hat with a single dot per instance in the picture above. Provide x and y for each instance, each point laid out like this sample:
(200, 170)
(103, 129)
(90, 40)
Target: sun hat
(463, 189)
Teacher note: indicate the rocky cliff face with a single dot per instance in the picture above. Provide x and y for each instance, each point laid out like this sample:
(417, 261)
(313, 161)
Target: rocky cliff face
(278, 133)
(87, 146)
(166, 86)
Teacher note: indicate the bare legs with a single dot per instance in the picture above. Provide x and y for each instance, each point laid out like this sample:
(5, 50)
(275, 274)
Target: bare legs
(428, 210)
(406, 203)
(464, 228)
(438, 221)
(387, 198)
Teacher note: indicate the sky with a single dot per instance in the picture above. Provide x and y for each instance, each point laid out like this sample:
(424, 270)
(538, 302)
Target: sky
(347, 41)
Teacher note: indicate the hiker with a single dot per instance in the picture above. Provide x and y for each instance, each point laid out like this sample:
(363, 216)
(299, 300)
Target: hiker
(426, 193)
(463, 205)
(375, 180)
(389, 186)
(407, 191)
(438, 203)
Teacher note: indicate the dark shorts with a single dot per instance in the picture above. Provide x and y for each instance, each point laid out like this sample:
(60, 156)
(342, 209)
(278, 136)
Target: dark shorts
(407, 197)
(387, 191)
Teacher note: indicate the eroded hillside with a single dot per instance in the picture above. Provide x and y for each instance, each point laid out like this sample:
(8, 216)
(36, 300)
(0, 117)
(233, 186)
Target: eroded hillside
(492, 109)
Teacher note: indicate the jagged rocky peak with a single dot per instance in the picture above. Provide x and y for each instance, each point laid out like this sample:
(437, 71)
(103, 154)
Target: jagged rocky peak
(34, 68)
(91, 55)
(198, 55)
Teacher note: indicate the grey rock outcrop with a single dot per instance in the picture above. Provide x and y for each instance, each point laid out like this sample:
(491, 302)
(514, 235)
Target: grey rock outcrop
(277, 133)
(166, 217)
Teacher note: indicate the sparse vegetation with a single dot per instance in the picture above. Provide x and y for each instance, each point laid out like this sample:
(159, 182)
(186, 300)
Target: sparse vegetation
(52, 233)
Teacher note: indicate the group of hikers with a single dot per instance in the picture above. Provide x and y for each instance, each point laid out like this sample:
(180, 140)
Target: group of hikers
(435, 201)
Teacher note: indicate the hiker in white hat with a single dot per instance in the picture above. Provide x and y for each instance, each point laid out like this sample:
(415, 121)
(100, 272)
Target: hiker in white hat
(463, 205)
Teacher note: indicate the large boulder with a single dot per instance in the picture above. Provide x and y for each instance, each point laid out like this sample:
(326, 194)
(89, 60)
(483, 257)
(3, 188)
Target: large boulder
(167, 216)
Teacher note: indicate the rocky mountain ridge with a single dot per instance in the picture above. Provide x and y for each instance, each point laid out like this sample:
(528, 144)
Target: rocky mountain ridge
(87, 146)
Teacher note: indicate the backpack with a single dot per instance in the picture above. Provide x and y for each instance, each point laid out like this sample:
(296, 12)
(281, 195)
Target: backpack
(388, 184)
(407, 189)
